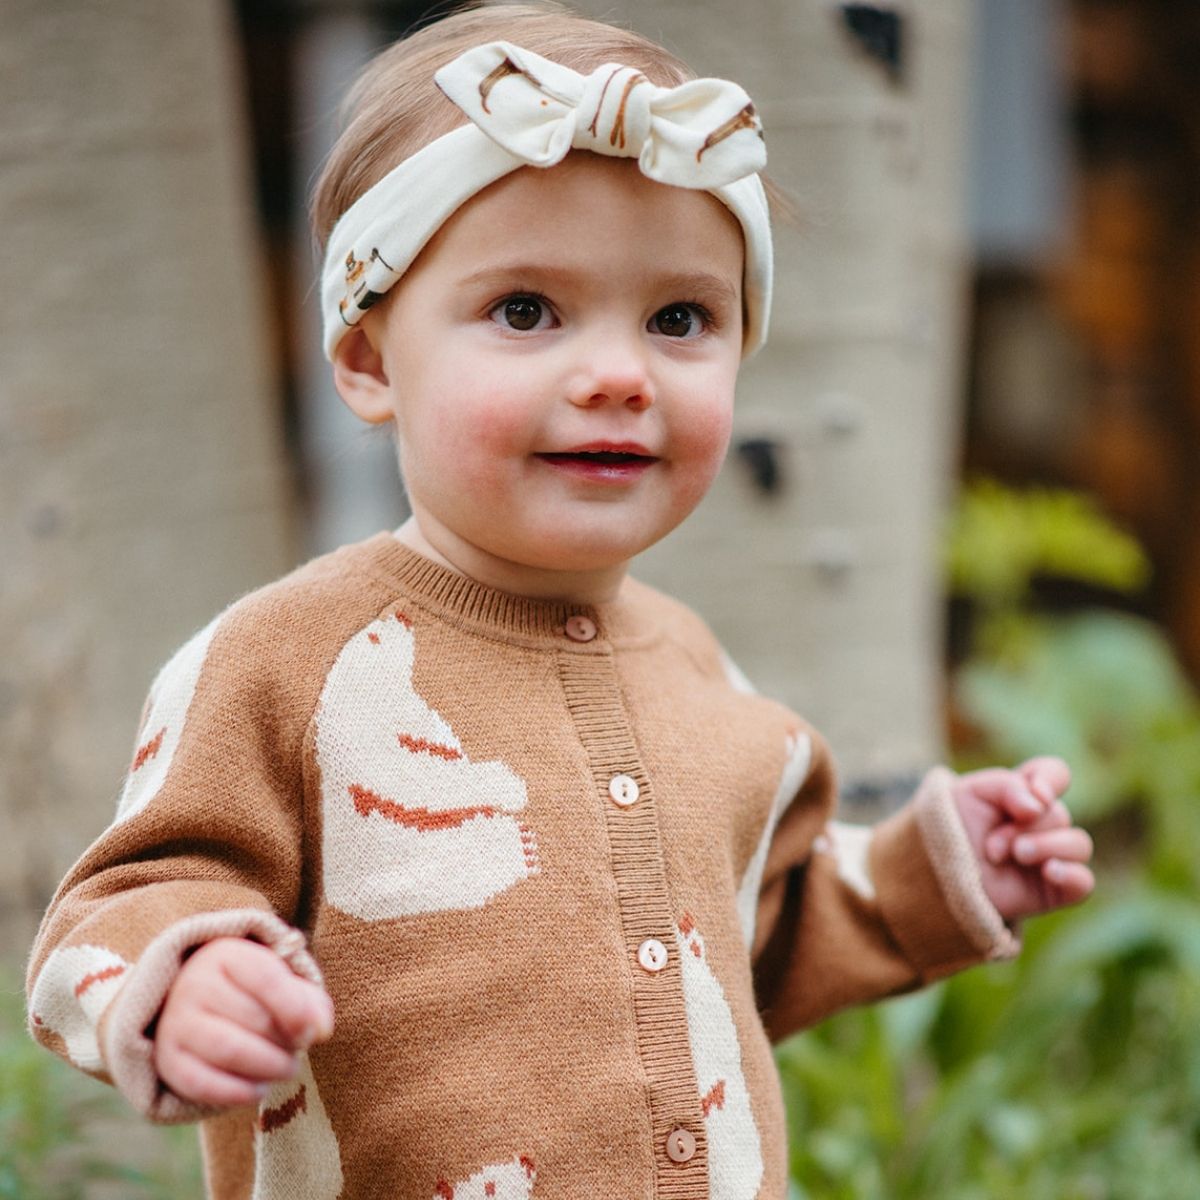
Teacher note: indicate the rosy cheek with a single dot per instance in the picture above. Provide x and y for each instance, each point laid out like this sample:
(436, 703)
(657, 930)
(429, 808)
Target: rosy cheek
(480, 429)
(708, 431)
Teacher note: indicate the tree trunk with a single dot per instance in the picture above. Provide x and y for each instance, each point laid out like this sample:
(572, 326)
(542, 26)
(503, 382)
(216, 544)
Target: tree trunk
(142, 480)
(827, 591)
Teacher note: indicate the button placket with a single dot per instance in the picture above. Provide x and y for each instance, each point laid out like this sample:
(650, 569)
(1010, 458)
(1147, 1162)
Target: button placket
(594, 695)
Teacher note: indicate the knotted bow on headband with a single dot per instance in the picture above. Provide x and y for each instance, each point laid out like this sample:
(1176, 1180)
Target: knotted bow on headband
(528, 111)
(701, 134)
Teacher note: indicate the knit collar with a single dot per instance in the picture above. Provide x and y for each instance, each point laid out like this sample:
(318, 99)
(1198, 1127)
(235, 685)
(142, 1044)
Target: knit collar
(469, 604)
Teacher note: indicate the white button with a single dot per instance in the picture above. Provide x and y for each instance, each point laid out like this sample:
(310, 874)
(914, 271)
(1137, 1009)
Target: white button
(681, 1145)
(624, 790)
(652, 954)
(580, 628)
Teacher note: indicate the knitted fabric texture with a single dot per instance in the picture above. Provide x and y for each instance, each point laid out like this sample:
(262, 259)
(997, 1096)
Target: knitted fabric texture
(563, 889)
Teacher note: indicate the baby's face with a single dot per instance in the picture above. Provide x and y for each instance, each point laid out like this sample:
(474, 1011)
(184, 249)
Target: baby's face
(560, 363)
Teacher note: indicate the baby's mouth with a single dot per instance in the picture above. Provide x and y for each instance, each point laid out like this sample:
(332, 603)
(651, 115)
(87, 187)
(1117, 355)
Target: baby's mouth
(598, 457)
(607, 466)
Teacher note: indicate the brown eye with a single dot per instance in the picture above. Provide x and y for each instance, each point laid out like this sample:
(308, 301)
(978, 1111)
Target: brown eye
(522, 313)
(678, 321)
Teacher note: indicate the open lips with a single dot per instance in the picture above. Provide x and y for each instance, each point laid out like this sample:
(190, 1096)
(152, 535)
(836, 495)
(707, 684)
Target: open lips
(602, 462)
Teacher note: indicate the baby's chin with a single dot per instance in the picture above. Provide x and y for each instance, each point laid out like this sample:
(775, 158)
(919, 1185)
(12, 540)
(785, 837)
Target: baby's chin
(578, 553)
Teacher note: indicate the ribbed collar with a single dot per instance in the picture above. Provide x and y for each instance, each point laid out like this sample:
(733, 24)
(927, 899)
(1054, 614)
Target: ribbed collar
(520, 619)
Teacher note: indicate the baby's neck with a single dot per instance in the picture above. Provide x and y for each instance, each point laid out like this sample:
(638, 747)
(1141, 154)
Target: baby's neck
(599, 586)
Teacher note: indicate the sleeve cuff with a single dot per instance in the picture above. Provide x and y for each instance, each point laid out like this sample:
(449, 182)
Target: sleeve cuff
(930, 890)
(128, 1051)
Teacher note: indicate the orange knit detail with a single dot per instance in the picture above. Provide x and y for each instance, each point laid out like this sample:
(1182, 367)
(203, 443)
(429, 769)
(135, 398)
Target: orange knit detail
(271, 1119)
(98, 977)
(529, 848)
(367, 802)
(696, 948)
(686, 924)
(444, 1190)
(489, 1188)
(419, 745)
(404, 619)
(527, 1163)
(714, 1099)
(373, 638)
(149, 750)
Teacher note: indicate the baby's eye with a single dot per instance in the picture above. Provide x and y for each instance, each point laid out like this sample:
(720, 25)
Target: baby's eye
(523, 313)
(679, 321)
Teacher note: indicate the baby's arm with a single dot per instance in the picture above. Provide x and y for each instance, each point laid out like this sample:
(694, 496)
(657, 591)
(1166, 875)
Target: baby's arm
(207, 844)
(847, 915)
(233, 1021)
(1031, 858)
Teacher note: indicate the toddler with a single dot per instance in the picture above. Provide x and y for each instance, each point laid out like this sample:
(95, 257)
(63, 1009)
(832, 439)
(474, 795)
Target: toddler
(458, 864)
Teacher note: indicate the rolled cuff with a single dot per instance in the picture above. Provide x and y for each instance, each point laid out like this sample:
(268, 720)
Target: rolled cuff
(127, 1049)
(931, 893)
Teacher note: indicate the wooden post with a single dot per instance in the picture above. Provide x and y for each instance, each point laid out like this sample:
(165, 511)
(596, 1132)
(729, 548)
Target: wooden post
(142, 483)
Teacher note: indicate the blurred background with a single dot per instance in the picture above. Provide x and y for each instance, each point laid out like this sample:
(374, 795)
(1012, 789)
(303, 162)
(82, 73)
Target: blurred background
(960, 519)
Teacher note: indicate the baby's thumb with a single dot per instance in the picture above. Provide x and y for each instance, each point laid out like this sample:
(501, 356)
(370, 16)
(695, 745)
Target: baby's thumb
(318, 1026)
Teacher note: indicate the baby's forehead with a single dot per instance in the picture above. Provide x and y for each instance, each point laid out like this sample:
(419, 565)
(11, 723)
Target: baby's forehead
(588, 211)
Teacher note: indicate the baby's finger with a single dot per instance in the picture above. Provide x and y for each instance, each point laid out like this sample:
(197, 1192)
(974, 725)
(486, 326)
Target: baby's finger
(1005, 789)
(225, 999)
(190, 1078)
(1071, 844)
(1056, 816)
(1071, 880)
(1046, 776)
(998, 846)
(236, 1051)
(301, 1011)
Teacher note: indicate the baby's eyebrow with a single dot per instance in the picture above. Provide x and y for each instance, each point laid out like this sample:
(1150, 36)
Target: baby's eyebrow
(701, 283)
(677, 284)
(503, 274)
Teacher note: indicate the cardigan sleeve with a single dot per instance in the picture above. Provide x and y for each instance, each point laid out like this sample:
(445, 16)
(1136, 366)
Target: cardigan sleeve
(850, 914)
(206, 843)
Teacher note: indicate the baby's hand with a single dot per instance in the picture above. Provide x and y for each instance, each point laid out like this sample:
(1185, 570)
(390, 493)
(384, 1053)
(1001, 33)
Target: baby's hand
(233, 1021)
(1031, 858)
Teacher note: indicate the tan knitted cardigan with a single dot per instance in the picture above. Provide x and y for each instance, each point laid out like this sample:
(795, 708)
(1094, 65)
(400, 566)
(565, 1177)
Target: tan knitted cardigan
(563, 880)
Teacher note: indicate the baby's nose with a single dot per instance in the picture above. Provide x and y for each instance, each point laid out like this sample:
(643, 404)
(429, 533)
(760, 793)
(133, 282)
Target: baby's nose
(634, 393)
(613, 376)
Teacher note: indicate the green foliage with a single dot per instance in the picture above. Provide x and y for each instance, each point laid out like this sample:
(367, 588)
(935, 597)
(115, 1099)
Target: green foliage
(999, 539)
(66, 1137)
(1073, 1073)
(1101, 689)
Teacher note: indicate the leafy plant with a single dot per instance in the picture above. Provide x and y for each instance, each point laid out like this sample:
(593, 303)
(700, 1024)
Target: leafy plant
(1000, 539)
(1073, 1073)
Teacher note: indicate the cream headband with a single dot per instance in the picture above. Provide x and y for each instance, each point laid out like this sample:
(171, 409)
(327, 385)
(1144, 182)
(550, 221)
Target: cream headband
(528, 111)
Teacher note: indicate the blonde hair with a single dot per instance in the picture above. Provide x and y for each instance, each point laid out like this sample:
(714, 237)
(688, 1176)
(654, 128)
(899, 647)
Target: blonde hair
(394, 108)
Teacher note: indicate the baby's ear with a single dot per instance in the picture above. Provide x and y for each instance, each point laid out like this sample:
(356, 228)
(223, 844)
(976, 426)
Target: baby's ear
(360, 377)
